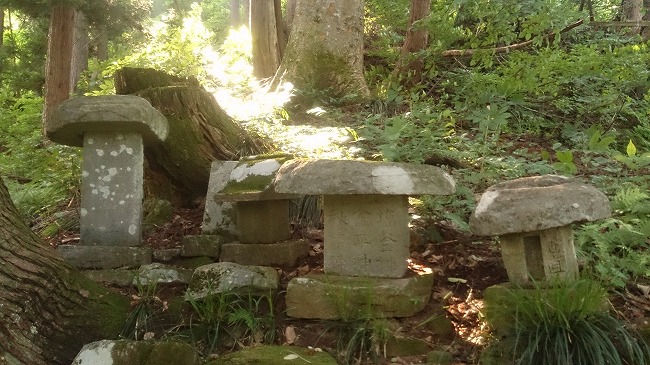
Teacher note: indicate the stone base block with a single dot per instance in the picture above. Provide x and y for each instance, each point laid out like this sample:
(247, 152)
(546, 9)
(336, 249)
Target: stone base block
(285, 253)
(201, 245)
(336, 297)
(264, 221)
(105, 257)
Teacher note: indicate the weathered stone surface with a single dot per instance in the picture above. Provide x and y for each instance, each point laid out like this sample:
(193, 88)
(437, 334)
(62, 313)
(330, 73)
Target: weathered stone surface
(157, 214)
(285, 253)
(125, 352)
(344, 177)
(334, 297)
(105, 257)
(111, 190)
(230, 277)
(252, 180)
(111, 114)
(119, 277)
(166, 254)
(366, 235)
(220, 217)
(265, 221)
(540, 256)
(536, 203)
(157, 273)
(275, 355)
(201, 245)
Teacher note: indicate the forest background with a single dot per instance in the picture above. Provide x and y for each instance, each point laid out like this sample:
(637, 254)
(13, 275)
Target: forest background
(501, 89)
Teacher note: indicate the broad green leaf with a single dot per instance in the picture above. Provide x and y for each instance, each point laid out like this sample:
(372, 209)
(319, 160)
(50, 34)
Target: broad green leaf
(631, 149)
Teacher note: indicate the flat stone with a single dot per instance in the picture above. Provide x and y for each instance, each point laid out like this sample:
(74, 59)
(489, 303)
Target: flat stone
(537, 203)
(126, 352)
(355, 177)
(111, 190)
(281, 254)
(119, 277)
(366, 235)
(225, 277)
(105, 114)
(252, 180)
(275, 355)
(335, 297)
(201, 245)
(105, 257)
(166, 254)
(157, 273)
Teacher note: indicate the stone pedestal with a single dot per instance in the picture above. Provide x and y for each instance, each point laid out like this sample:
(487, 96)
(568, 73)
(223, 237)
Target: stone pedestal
(366, 235)
(264, 221)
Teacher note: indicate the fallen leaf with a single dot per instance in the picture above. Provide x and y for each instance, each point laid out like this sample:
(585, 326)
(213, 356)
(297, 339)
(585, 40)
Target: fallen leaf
(290, 335)
(457, 280)
(291, 357)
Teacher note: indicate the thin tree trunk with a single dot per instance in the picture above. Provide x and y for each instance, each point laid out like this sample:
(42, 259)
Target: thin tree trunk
(291, 13)
(264, 33)
(631, 10)
(47, 309)
(102, 42)
(2, 26)
(279, 29)
(410, 66)
(79, 62)
(247, 10)
(235, 13)
(59, 58)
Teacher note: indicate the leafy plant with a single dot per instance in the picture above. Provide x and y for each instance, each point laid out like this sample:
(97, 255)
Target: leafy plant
(563, 323)
(145, 305)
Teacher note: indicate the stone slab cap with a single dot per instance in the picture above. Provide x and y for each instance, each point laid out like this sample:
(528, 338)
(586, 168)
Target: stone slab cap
(347, 177)
(107, 113)
(252, 179)
(537, 203)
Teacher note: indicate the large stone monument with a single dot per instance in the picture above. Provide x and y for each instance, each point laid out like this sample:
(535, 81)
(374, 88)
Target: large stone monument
(366, 236)
(113, 130)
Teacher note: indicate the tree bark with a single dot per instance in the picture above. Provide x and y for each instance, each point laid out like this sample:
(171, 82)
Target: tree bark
(79, 61)
(48, 310)
(199, 133)
(325, 50)
(2, 26)
(410, 66)
(235, 13)
(264, 34)
(632, 12)
(59, 58)
(280, 28)
(290, 14)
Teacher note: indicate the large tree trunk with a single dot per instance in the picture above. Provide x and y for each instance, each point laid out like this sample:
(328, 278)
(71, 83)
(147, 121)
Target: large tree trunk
(59, 58)
(79, 61)
(47, 309)
(325, 50)
(632, 12)
(264, 34)
(199, 133)
(410, 66)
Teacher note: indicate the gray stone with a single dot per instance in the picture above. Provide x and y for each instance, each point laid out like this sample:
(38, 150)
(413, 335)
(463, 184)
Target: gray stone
(201, 245)
(275, 355)
(225, 277)
(157, 214)
(105, 257)
(285, 253)
(219, 217)
(354, 177)
(252, 180)
(125, 352)
(335, 297)
(157, 273)
(166, 254)
(119, 277)
(111, 190)
(264, 221)
(532, 217)
(110, 114)
(535, 203)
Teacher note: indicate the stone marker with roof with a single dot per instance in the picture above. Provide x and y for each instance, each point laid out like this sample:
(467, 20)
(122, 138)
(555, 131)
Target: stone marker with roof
(533, 218)
(113, 130)
(366, 235)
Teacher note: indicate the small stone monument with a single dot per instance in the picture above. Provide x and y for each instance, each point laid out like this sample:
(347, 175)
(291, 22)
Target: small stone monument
(242, 204)
(532, 217)
(113, 131)
(366, 234)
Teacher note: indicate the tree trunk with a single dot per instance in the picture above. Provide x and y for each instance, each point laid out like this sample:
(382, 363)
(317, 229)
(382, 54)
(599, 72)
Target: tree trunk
(410, 66)
(264, 34)
(291, 13)
(2, 26)
(235, 13)
(325, 50)
(47, 309)
(280, 29)
(199, 133)
(59, 58)
(102, 42)
(632, 12)
(79, 62)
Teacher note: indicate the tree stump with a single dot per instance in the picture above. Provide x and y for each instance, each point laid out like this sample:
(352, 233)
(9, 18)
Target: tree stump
(200, 132)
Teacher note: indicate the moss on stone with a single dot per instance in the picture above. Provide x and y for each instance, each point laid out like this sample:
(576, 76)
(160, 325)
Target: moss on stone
(275, 355)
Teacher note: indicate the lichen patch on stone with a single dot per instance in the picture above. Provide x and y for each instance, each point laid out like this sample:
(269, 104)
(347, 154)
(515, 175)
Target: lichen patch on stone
(485, 202)
(390, 179)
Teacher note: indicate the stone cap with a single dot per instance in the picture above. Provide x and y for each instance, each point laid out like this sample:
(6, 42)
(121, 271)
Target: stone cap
(107, 113)
(251, 179)
(357, 177)
(535, 203)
